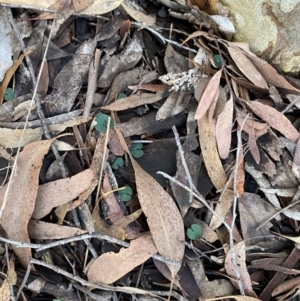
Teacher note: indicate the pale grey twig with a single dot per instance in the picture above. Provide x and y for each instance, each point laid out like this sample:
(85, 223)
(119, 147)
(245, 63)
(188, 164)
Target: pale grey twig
(183, 161)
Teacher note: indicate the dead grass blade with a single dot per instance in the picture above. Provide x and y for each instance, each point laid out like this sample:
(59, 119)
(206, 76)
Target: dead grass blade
(248, 69)
(223, 129)
(20, 201)
(211, 92)
(111, 266)
(275, 119)
(163, 217)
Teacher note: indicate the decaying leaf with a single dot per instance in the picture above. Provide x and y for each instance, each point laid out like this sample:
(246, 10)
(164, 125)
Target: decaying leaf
(236, 297)
(275, 119)
(163, 216)
(110, 266)
(20, 201)
(240, 253)
(240, 177)
(210, 93)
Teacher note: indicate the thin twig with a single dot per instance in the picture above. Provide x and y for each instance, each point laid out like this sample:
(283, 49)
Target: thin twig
(41, 247)
(162, 38)
(92, 83)
(183, 161)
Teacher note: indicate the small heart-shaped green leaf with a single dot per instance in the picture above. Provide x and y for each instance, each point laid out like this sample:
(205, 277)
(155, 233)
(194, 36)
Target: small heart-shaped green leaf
(9, 94)
(194, 232)
(117, 163)
(125, 193)
(136, 150)
(102, 120)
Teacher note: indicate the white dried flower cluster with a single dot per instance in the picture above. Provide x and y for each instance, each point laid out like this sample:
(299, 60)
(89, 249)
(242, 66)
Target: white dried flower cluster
(184, 80)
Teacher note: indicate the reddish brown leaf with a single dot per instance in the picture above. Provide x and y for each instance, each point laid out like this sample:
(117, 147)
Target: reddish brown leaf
(240, 177)
(248, 69)
(20, 199)
(275, 119)
(110, 266)
(211, 91)
(223, 129)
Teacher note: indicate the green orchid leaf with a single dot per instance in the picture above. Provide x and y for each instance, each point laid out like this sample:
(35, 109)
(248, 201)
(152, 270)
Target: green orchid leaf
(117, 163)
(194, 232)
(218, 61)
(102, 120)
(121, 95)
(136, 150)
(125, 193)
(9, 94)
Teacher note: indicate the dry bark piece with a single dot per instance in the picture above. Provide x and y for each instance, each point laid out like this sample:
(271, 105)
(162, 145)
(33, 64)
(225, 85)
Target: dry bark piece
(110, 266)
(20, 201)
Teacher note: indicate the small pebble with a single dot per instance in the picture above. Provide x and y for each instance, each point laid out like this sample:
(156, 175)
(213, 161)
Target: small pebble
(162, 12)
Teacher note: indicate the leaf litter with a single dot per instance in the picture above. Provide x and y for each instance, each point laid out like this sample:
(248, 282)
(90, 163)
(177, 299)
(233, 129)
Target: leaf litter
(237, 119)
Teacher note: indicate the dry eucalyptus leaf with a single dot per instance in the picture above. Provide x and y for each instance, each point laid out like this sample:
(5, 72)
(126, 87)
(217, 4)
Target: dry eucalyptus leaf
(20, 200)
(210, 154)
(240, 254)
(134, 101)
(163, 217)
(223, 129)
(110, 266)
(174, 61)
(139, 16)
(43, 230)
(210, 93)
(246, 66)
(275, 119)
(59, 192)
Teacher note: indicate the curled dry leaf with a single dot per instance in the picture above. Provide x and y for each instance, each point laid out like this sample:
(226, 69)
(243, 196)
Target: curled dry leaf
(240, 177)
(20, 201)
(275, 119)
(210, 93)
(240, 254)
(236, 297)
(110, 266)
(163, 216)
(248, 69)
(223, 129)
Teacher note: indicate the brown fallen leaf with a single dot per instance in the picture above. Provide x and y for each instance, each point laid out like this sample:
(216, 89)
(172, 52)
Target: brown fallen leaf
(248, 69)
(43, 230)
(163, 217)
(20, 200)
(275, 119)
(5, 290)
(236, 297)
(209, 94)
(240, 177)
(110, 266)
(59, 192)
(150, 87)
(134, 101)
(240, 254)
(210, 154)
(223, 129)
(253, 146)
